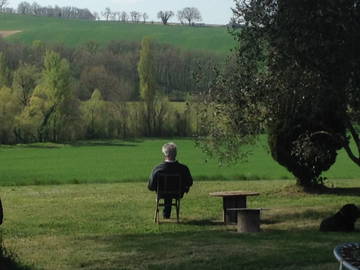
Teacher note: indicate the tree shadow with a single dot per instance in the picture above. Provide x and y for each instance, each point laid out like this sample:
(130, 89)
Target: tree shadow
(321, 190)
(10, 261)
(202, 222)
(41, 146)
(102, 143)
(343, 191)
(218, 249)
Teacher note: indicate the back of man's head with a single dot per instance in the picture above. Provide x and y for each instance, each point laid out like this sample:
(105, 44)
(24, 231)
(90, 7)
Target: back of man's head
(169, 151)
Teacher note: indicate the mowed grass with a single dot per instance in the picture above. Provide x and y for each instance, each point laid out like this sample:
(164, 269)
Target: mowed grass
(77, 32)
(110, 226)
(131, 161)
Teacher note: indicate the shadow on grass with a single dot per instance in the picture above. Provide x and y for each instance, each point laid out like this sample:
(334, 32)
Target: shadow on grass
(104, 143)
(321, 190)
(343, 191)
(42, 146)
(216, 249)
(297, 216)
(202, 222)
(9, 261)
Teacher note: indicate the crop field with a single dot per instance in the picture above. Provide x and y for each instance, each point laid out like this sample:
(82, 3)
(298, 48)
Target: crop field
(131, 161)
(77, 32)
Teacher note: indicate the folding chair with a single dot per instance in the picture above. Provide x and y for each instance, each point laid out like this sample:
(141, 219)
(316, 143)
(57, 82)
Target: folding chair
(168, 185)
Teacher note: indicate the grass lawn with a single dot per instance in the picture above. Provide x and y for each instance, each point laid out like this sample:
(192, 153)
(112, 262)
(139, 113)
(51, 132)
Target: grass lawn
(78, 32)
(124, 161)
(106, 222)
(110, 226)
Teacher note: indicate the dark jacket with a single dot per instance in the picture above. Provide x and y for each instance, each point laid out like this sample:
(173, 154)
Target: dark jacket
(171, 168)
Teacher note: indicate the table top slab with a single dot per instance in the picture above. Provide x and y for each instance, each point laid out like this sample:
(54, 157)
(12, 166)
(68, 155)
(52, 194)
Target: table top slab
(233, 193)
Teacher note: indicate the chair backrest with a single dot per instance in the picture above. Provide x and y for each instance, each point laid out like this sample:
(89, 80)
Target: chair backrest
(169, 185)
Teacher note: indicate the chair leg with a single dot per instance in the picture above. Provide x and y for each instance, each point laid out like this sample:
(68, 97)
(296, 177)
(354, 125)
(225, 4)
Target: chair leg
(156, 218)
(177, 210)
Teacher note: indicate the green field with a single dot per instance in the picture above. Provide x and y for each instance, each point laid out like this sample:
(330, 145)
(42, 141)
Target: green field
(124, 161)
(106, 222)
(77, 32)
(110, 226)
(85, 205)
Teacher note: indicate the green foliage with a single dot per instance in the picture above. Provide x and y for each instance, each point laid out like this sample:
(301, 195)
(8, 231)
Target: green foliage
(96, 116)
(49, 81)
(9, 108)
(289, 87)
(4, 71)
(146, 72)
(60, 109)
(25, 79)
(147, 84)
(310, 118)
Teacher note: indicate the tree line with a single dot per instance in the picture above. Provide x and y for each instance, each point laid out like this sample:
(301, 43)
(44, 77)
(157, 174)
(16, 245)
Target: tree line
(189, 15)
(56, 93)
(66, 12)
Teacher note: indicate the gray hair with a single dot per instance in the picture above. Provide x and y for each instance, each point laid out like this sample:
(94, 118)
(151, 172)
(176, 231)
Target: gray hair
(169, 150)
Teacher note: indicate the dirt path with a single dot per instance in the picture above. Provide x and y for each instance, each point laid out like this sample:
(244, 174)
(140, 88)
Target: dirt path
(8, 33)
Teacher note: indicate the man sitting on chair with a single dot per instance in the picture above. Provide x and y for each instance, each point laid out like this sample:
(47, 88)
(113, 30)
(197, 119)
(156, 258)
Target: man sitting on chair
(170, 166)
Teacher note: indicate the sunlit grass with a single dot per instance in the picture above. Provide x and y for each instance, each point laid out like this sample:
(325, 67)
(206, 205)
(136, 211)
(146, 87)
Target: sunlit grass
(110, 226)
(129, 161)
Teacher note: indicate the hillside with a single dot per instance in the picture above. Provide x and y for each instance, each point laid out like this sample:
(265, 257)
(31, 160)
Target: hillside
(76, 32)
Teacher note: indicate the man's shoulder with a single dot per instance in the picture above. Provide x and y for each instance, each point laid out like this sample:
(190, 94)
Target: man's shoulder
(182, 168)
(182, 165)
(170, 167)
(159, 167)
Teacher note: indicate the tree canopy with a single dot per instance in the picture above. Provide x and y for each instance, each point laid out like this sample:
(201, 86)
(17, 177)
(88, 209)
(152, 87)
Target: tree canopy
(295, 76)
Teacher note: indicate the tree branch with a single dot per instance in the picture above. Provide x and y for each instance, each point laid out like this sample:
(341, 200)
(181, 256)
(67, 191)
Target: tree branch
(346, 142)
(355, 135)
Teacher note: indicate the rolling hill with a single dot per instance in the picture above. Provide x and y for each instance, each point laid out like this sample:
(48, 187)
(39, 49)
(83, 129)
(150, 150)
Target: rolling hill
(77, 32)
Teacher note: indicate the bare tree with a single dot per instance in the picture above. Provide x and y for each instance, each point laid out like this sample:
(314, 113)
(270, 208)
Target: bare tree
(180, 16)
(190, 14)
(57, 11)
(3, 4)
(165, 16)
(117, 15)
(9, 10)
(106, 13)
(24, 8)
(96, 16)
(35, 8)
(135, 16)
(145, 17)
(113, 16)
(124, 16)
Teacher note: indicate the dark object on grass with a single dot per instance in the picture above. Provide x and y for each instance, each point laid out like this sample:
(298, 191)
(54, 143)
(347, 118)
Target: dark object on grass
(1, 213)
(342, 221)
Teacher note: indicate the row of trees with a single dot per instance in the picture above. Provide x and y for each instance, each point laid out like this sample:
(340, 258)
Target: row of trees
(295, 76)
(54, 93)
(188, 15)
(68, 12)
(112, 69)
(123, 16)
(40, 107)
(26, 8)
